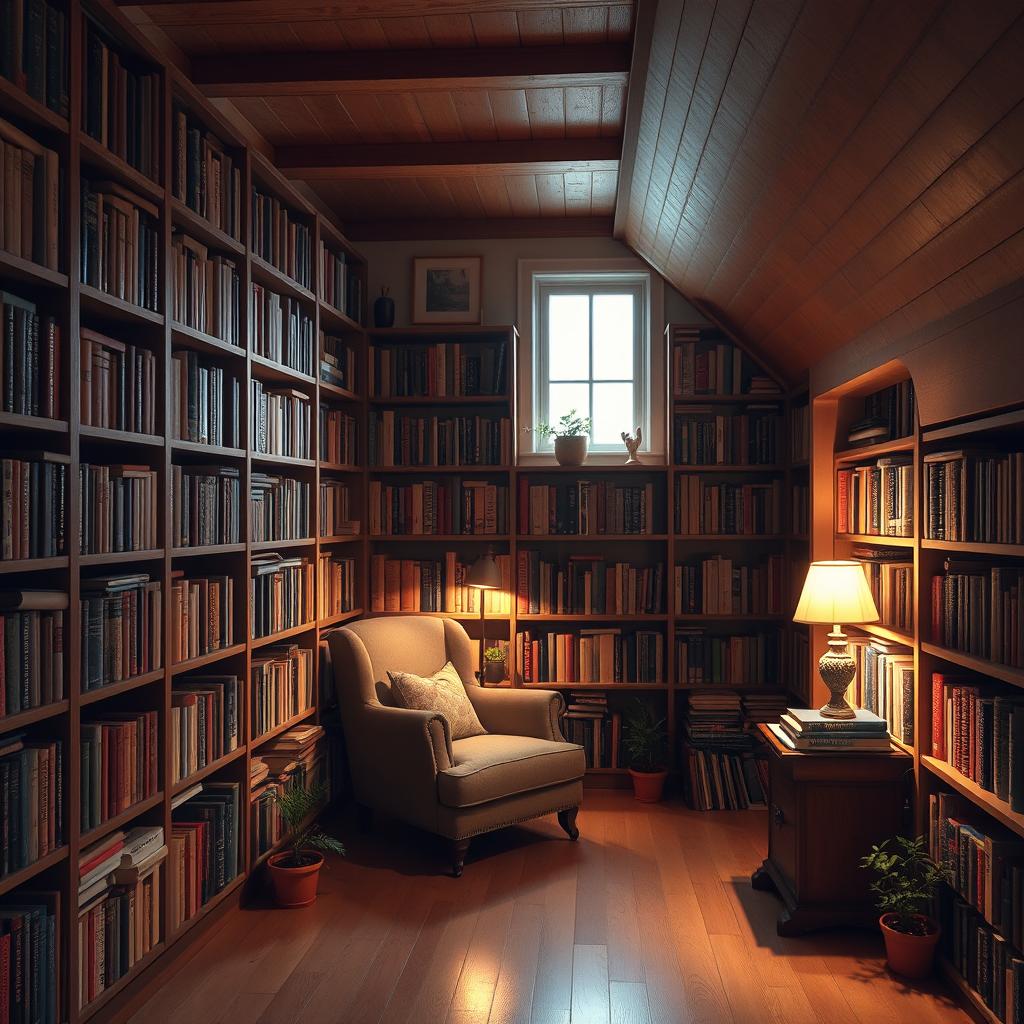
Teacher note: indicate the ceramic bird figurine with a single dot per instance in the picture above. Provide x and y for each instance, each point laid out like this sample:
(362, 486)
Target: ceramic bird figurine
(632, 444)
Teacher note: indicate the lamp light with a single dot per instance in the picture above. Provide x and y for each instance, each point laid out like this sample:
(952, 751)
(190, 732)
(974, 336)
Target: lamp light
(836, 592)
(484, 575)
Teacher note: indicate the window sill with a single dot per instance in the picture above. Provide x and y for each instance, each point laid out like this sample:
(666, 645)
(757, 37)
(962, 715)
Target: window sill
(546, 460)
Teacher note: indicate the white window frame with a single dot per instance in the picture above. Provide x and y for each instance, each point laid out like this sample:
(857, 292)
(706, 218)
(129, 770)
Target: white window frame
(537, 279)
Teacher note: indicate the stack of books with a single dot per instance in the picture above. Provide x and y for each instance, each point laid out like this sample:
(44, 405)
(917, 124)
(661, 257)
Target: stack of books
(803, 729)
(589, 723)
(764, 707)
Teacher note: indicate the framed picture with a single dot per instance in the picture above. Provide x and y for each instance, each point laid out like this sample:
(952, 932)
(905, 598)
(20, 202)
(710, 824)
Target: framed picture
(446, 290)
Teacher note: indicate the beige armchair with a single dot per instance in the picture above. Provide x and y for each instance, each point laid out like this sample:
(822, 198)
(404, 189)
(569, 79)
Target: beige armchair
(404, 762)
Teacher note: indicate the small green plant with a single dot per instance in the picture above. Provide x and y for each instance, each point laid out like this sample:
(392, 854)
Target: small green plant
(306, 837)
(645, 739)
(906, 883)
(570, 425)
(494, 654)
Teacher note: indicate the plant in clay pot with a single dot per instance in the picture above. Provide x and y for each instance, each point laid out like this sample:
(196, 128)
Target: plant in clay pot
(645, 741)
(295, 870)
(572, 438)
(494, 665)
(906, 884)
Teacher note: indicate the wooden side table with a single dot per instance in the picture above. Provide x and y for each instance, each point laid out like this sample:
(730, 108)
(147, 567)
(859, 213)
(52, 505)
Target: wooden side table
(825, 811)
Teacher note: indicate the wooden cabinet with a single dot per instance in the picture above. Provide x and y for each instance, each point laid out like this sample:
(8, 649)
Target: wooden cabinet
(824, 813)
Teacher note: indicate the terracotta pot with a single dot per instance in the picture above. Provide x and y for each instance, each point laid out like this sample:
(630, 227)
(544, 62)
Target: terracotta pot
(648, 786)
(571, 451)
(294, 887)
(910, 955)
(494, 671)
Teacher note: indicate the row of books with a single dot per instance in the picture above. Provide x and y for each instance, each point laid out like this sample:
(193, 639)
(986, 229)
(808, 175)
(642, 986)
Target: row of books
(278, 508)
(979, 731)
(600, 655)
(205, 289)
(705, 659)
(119, 764)
(704, 508)
(725, 781)
(441, 370)
(338, 437)
(205, 722)
(118, 384)
(34, 55)
(713, 366)
(978, 608)
(703, 437)
(887, 415)
(884, 684)
(122, 628)
(336, 584)
(206, 401)
(438, 507)
(281, 593)
(717, 585)
(432, 585)
(30, 950)
(30, 198)
(586, 507)
(337, 361)
(32, 784)
(279, 239)
(203, 176)
(205, 505)
(118, 508)
(975, 496)
(282, 330)
(587, 585)
(202, 615)
(400, 439)
(32, 513)
(589, 722)
(891, 580)
(341, 285)
(279, 421)
(878, 499)
(30, 359)
(282, 686)
(31, 649)
(336, 507)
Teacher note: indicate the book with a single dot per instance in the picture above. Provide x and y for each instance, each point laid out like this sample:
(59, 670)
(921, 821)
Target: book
(830, 744)
(587, 584)
(336, 584)
(204, 175)
(598, 655)
(279, 507)
(335, 510)
(205, 289)
(281, 330)
(33, 511)
(205, 505)
(583, 506)
(281, 593)
(30, 220)
(31, 347)
(704, 659)
(205, 722)
(34, 54)
(121, 628)
(809, 722)
(452, 505)
(435, 585)
(472, 367)
(31, 787)
(705, 436)
(205, 401)
(279, 421)
(119, 763)
(340, 282)
(32, 659)
(202, 615)
(118, 508)
(975, 496)
(279, 237)
(338, 435)
(281, 686)
(408, 439)
(727, 509)
(118, 384)
(704, 362)
(719, 585)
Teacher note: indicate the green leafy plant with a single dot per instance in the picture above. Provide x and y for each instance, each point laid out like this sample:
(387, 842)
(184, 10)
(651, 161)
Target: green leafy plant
(494, 654)
(306, 838)
(570, 425)
(645, 738)
(906, 883)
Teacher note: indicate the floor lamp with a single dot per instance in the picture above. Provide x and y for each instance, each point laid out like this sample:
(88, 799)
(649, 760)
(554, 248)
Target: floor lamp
(484, 575)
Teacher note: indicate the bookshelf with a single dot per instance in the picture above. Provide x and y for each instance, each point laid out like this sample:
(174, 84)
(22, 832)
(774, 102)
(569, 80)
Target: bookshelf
(170, 345)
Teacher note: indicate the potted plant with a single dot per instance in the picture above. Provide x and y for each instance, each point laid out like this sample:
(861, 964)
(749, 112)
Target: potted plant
(494, 665)
(906, 883)
(645, 740)
(295, 871)
(572, 438)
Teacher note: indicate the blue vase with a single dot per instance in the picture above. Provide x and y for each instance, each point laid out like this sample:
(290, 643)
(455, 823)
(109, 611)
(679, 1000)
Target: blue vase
(384, 311)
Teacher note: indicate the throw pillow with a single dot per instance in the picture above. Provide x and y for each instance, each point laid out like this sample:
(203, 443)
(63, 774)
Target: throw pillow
(442, 692)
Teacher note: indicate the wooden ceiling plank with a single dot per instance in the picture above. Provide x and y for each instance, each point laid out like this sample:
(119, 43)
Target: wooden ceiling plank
(582, 111)
(494, 195)
(613, 110)
(440, 116)
(605, 186)
(551, 193)
(495, 28)
(507, 227)
(511, 116)
(369, 117)
(579, 188)
(450, 30)
(292, 111)
(476, 119)
(264, 120)
(522, 195)
(404, 114)
(363, 33)
(620, 21)
(467, 197)
(547, 113)
(585, 24)
(177, 11)
(540, 26)
(404, 33)
(438, 197)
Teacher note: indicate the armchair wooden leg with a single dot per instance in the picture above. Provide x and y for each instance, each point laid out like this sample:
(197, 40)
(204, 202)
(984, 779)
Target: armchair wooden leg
(364, 817)
(567, 819)
(459, 848)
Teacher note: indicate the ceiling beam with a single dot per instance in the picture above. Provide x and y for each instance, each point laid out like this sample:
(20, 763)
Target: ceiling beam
(447, 159)
(496, 227)
(319, 72)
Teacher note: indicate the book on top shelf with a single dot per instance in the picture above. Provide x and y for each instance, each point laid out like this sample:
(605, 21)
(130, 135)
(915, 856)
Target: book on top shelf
(888, 415)
(203, 175)
(702, 436)
(280, 238)
(35, 52)
(705, 363)
(441, 370)
(205, 289)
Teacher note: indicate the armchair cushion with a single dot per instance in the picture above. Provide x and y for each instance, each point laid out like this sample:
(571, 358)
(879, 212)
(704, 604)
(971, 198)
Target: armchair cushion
(489, 767)
(442, 693)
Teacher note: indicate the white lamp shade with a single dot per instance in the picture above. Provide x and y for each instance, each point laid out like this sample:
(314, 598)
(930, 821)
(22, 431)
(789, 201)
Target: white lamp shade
(836, 592)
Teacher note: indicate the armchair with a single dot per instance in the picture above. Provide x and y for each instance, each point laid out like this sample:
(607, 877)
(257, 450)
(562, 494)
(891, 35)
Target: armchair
(405, 763)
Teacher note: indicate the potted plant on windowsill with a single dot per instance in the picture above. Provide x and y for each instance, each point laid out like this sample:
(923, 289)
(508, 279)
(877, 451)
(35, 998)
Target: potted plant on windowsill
(907, 881)
(494, 665)
(645, 740)
(572, 438)
(295, 871)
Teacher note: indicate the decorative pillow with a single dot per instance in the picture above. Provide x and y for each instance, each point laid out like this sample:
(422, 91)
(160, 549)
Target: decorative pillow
(442, 692)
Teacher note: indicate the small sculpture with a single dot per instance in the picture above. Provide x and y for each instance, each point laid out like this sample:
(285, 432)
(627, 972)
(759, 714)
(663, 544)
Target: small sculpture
(632, 444)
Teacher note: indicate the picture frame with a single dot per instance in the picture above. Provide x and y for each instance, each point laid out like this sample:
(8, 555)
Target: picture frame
(446, 289)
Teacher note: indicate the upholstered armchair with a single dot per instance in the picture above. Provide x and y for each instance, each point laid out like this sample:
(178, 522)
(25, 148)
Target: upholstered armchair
(405, 763)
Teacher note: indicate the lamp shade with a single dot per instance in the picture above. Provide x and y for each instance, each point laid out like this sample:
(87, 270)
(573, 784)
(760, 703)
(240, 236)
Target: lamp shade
(484, 574)
(836, 592)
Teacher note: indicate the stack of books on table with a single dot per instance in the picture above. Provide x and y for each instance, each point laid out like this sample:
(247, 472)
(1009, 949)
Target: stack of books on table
(802, 729)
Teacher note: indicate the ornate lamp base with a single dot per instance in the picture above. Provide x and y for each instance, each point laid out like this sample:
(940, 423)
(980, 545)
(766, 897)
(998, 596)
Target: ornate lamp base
(837, 670)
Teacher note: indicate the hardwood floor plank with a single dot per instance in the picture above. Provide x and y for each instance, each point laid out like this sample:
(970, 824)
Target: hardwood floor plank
(590, 985)
(625, 956)
(558, 863)
(514, 990)
(591, 882)
(627, 1002)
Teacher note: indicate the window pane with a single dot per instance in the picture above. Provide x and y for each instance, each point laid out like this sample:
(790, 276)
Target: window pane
(613, 412)
(613, 337)
(568, 337)
(563, 398)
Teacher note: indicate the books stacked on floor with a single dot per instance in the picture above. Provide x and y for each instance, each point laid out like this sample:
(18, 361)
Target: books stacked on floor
(118, 384)
(336, 510)
(204, 722)
(975, 496)
(719, 586)
(806, 730)
(32, 795)
(35, 52)
(30, 359)
(122, 628)
(30, 224)
(732, 509)
(445, 370)
(703, 436)
(205, 505)
(119, 755)
(206, 402)
(31, 649)
(203, 176)
(704, 659)
(337, 437)
(281, 330)
(711, 366)
(888, 414)
(119, 906)
(432, 585)
(890, 577)
(450, 506)
(202, 615)
(205, 289)
(587, 585)
(884, 684)
(588, 722)
(764, 706)
(585, 507)
(976, 729)
(407, 439)
(279, 421)
(281, 593)
(341, 284)
(601, 655)
(282, 686)
(206, 841)
(337, 362)
(118, 509)
(32, 959)
(878, 499)
(32, 512)
(278, 508)
(336, 582)
(279, 239)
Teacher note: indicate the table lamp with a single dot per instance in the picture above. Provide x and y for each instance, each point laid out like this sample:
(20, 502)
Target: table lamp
(484, 574)
(836, 592)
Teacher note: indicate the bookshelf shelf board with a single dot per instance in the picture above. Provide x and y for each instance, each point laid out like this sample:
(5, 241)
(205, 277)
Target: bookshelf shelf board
(902, 746)
(213, 450)
(120, 557)
(200, 228)
(333, 392)
(445, 538)
(277, 281)
(980, 1010)
(124, 686)
(18, 421)
(734, 468)
(33, 564)
(874, 538)
(395, 470)
(698, 617)
(271, 545)
(210, 769)
(1014, 676)
(746, 399)
(868, 452)
(341, 538)
(537, 468)
(467, 616)
(339, 467)
(281, 460)
(589, 617)
(209, 907)
(338, 618)
(968, 547)
(270, 369)
(637, 687)
(895, 636)
(26, 874)
(88, 1011)
(203, 550)
(113, 824)
(96, 156)
(337, 319)
(19, 269)
(120, 436)
(16, 101)
(999, 809)
(104, 305)
(284, 634)
(435, 400)
(189, 337)
(270, 734)
(180, 667)
(734, 538)
(11, 723)
(586, 538)
(982, 425)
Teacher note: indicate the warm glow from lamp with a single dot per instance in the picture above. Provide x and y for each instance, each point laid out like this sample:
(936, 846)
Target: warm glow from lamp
(484, 574)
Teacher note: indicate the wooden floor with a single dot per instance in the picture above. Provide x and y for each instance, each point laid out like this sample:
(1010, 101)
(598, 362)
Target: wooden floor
(649, 918)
